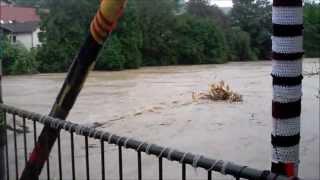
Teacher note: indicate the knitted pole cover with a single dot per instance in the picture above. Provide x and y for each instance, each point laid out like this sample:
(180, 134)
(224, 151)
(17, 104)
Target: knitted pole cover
(287, 52)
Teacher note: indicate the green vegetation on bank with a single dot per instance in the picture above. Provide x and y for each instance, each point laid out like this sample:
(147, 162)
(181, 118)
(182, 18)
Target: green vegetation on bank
(154, 33)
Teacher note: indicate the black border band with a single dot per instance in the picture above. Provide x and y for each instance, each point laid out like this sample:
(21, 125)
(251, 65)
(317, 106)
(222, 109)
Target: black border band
(278, 168)
(287, 30)
(286, 81)
(294, 3)
(286, 110)
(285, 141)
(287, 57)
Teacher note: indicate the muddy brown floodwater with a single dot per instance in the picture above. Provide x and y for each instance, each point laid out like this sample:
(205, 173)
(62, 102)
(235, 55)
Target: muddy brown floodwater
(155, 105)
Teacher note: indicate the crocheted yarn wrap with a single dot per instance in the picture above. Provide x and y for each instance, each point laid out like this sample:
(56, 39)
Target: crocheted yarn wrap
(286, 154)
(287, 42)
(287, 15)
(287, 68)
(286, 94)
(286, 127)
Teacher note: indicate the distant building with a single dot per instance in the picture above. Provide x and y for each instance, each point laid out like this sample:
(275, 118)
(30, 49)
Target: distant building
(20, 24)
(26, 33)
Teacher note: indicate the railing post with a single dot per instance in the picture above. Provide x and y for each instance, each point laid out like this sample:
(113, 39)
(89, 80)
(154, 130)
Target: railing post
(2, 133)
(287, 52)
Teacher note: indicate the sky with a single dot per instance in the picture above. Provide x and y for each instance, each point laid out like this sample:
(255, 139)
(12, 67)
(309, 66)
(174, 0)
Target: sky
(222, 3)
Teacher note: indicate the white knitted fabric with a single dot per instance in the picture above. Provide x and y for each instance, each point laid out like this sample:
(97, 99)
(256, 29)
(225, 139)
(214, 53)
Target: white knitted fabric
(287, 15)
(286, 127)
(285, 94)
(286, 154)
(287, 68)
(287, 44)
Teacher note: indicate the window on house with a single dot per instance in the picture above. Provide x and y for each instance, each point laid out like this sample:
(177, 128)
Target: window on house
(14, 39)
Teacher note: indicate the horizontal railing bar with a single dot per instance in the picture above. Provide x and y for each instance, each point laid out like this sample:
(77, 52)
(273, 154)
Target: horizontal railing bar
(224, 167)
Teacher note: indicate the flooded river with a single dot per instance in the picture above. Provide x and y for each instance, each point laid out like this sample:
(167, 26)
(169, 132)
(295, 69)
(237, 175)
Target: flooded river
(155, 105)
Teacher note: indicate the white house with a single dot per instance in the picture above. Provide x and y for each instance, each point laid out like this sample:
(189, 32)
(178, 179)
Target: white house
(20, 24)
(25, 33)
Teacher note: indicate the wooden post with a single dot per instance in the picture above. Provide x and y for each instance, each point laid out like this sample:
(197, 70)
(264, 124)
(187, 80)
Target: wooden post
(287, 52)
(101, 27)
(2, 133)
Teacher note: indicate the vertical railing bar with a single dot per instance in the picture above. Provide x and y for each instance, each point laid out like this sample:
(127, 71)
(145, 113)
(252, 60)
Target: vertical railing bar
(25, 140)
(87, 158)
(48, 161)
(7, 151)
(160, 169)
(15, 146)
(72, 157)
(120, 163)
(34, 132)
(103, 175)
(59, 156)
(209, 175)
(183, 171)
(139, 166)
(48, 169)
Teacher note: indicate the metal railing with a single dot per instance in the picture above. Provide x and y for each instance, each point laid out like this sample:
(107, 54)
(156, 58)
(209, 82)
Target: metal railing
(196, 161)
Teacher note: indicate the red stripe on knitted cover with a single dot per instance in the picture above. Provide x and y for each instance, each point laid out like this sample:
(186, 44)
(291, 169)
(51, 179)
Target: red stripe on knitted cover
(290, 169)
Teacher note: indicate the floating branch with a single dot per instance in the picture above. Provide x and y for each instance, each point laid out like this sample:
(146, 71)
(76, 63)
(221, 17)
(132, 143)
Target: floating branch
(218, 92)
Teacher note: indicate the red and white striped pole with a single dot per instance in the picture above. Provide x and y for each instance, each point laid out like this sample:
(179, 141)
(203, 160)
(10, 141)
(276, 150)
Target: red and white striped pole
(287, 52)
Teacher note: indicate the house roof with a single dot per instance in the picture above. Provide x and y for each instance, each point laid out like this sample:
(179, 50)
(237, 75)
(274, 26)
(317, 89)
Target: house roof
(27, 27)
(18, 14)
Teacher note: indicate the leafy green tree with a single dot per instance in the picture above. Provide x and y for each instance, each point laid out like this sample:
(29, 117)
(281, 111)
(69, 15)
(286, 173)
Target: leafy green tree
(64, 29)
(254, 17)
(312, 29)
(111, 56)
(203, 9)
(239, 45)
(199, 41)
(156, 19)
(128, 42)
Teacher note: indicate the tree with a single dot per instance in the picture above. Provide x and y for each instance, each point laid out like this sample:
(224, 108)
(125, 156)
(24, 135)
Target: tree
(239, 45)
(111, 56)
(254, 17)
(124, 45)
(203, 9)
(156, 20)
(199, 41)
(64, 29)
(312, 29)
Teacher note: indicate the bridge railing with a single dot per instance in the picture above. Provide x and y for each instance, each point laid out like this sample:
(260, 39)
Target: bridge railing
(12, 115)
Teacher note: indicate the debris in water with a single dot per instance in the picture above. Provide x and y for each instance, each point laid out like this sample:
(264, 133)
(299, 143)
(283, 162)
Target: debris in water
(218, 92)
(138, 113)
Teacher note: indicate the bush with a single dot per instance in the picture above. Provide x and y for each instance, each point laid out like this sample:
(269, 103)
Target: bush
(17, 59)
